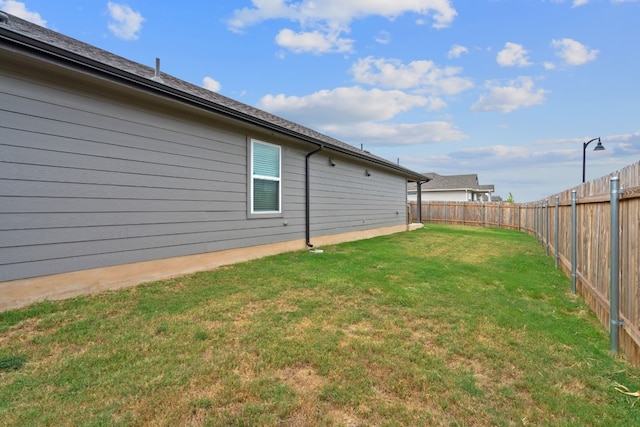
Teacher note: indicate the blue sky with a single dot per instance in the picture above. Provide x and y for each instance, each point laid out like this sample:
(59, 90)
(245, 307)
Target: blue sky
(506, 89)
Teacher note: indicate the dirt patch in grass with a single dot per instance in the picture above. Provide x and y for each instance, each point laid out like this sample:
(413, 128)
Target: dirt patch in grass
(304, 380)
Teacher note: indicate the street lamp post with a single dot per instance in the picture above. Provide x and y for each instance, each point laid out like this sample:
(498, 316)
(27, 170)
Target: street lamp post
(598, 147)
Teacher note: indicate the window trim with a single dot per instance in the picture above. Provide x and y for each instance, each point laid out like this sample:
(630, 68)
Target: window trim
(251, 213)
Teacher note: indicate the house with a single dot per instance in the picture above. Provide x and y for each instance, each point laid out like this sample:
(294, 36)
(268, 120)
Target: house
(454, 188)
(113, 173)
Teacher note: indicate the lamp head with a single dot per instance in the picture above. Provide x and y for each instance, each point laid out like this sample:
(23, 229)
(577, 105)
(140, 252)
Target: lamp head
(599, 147)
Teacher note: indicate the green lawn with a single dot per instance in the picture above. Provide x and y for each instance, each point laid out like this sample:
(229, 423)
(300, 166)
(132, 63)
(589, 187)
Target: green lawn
(440, 326)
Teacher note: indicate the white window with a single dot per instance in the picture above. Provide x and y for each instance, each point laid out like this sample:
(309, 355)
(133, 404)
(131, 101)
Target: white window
(265, 178)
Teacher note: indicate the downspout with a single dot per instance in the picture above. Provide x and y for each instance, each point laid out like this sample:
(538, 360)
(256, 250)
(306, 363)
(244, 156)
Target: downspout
(307, 196)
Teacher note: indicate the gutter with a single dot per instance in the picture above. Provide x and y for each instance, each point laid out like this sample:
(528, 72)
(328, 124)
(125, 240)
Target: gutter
(307, 196)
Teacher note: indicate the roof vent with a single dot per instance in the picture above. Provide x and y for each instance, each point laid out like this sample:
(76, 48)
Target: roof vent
(4, 18)
(156, 77)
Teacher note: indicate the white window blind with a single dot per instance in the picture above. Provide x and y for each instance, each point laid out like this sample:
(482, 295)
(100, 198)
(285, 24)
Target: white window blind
(265, 160)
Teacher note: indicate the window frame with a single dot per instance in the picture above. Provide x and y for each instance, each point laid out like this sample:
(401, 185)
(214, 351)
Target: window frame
(251, 212)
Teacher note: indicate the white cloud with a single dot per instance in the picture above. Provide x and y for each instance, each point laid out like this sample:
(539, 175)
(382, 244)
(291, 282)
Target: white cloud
(125, 23)
(342, 105)
(340, 11)
(578, 3)
(573, 52)
(313, 42)
(395, 134)
(551, 153)
(20, 10)
(517, 94)
(549, 65)
(332, 18)
(513, 54)
(383, 37)
(211, 84)
(357, 115)
(494, 152)
(623, 145)
(456, 51)
(422, 76)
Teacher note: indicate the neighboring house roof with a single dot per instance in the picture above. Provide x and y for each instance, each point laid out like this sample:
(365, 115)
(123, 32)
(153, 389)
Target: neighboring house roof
(16, 30)
(487, 188)
(468, 182)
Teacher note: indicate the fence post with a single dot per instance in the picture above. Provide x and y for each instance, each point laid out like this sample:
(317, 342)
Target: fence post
(539, 226)
(446, 213)
(557, 255)
(535, 219)
(546, 224)
(574, 221)
(463, 206)
(499, 215)
(614, 273)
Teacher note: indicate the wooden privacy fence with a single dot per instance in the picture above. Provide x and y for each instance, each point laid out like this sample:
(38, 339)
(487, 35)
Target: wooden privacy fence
(575, 227)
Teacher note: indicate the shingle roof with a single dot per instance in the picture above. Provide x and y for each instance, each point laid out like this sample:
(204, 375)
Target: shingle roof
(30, 35)
(452, 182)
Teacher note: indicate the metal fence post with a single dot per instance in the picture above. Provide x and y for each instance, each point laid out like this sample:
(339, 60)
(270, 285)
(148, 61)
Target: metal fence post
(614, 282)
(546, 224)
(557, 254)
(535, 220)
(574, 221)
(539, 227)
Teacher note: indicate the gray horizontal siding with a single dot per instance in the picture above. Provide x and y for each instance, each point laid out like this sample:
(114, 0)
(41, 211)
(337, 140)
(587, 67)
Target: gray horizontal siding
(206, 180)
(90, 179)
(345, 200)
(95, 115)
(21, 188)
(94, 260)
(44, 220)
(102, 146)
(20, 205)
(112, 244)
(49, 236)
(44, 157)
